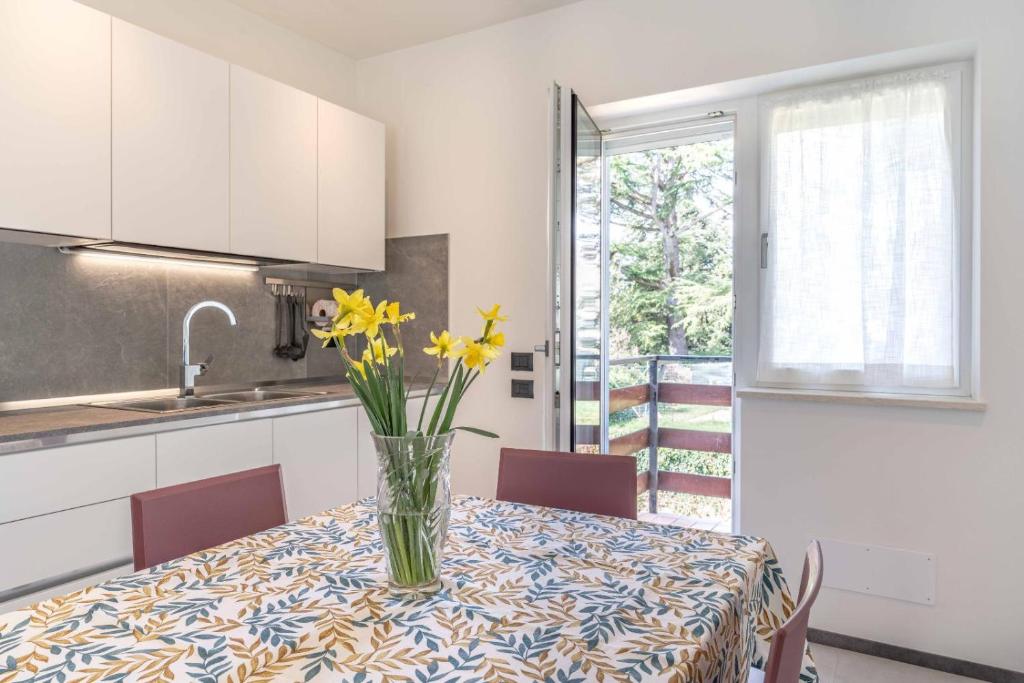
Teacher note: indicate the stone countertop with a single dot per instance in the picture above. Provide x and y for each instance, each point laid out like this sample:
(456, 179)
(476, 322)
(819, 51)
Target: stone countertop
(33, 428)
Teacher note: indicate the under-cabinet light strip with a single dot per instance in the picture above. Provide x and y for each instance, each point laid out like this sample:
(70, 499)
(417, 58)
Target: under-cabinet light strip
(162, 260)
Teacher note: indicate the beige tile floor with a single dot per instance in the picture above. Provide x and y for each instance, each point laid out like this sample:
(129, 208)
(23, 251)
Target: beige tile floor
(842, 666)
(834, 666)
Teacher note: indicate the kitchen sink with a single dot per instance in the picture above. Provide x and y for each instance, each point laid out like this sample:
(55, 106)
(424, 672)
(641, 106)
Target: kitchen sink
(253, 395)
(222, 399)
(166, 405)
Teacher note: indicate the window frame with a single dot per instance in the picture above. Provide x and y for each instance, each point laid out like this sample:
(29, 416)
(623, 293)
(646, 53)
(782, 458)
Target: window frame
(963, 141)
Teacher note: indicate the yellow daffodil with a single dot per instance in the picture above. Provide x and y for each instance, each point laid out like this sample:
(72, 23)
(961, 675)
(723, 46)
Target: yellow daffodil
(476, 354)
(444, 345)
(394, 316)
(493, 314)
(348, 306)
(359, 365)
(494, 339)
(338, 333)
(378, 350)
(369, 319)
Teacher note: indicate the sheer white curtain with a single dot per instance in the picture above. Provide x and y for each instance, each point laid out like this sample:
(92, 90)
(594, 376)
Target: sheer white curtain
(861, 285)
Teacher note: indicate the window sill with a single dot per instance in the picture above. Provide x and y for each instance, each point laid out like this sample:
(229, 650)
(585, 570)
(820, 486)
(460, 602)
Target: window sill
(866, 398)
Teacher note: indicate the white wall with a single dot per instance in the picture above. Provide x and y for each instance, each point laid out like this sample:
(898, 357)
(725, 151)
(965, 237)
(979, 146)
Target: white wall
(225, 30)
(468, 149)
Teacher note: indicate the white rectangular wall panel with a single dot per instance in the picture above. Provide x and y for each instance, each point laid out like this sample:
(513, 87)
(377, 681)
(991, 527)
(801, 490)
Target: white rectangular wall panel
(876, 570)
(54, 118)
(170, 142)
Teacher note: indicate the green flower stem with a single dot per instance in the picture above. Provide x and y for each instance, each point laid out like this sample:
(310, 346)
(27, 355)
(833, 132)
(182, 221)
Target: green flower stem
(426, 399)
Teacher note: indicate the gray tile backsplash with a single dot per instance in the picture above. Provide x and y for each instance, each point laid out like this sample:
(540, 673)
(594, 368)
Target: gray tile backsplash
(74, 325)
(417, 276)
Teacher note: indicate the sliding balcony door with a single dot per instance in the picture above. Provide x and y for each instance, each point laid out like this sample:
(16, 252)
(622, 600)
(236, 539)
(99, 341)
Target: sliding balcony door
(580, 255)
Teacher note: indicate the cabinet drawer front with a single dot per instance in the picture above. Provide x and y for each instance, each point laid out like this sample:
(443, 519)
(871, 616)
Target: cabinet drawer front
(317, 454)
(40, 482)
(50, 545)
(192, 454)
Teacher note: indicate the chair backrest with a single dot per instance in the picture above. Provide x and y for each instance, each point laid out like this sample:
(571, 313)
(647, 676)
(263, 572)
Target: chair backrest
(599, 484)
(786, 655)
(174, 521)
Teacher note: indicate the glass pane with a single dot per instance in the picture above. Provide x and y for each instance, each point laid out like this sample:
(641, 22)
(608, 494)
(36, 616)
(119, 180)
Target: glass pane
(670, 313)
(587, 277)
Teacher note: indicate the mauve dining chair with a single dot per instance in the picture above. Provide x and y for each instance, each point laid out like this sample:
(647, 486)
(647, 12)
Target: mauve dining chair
(786, 654)
(598, 484)
(174, 521)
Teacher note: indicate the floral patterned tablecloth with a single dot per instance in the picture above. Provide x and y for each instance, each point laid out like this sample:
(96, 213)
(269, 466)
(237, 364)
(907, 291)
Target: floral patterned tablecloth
(531, 594)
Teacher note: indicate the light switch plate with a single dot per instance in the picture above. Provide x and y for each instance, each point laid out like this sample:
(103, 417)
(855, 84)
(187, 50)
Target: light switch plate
(522, 388)
(522, 362)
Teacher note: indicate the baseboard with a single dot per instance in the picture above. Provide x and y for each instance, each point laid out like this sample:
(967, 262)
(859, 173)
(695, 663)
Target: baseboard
(960, 667)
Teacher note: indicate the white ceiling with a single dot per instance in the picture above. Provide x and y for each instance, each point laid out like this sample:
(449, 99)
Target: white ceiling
(363, 28)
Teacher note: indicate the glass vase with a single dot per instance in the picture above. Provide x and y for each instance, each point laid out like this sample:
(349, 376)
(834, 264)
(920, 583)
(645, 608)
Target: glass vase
(413, 508)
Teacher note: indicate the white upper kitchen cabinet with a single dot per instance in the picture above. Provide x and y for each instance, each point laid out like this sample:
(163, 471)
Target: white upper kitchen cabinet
(170, 142)
(273, 168)
(54, 118)
(317, 454)
(351, 189)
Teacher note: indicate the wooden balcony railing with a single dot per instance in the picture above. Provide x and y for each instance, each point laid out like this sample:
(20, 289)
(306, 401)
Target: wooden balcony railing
(652, 436)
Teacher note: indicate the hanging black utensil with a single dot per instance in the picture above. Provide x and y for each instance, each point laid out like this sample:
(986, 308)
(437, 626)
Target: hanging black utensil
(300, 335)
(278, 327)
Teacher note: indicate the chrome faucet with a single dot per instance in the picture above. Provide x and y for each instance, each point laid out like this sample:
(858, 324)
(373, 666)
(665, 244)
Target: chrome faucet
(189, 372)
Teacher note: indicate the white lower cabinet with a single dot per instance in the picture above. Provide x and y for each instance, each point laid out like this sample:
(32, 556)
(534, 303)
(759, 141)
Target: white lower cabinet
(42, 548)
(317, 454)
(65, 511)
(191, 454)
(367, 451)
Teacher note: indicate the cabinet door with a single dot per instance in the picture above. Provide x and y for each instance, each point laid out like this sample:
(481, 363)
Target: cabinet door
(273, 168)
(192, 454)
(367, 451)
(317, 454)
(351, 189)
(170, 142)
(54, 118)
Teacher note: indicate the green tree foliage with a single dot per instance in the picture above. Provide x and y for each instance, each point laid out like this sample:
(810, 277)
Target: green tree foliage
(671, 250)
